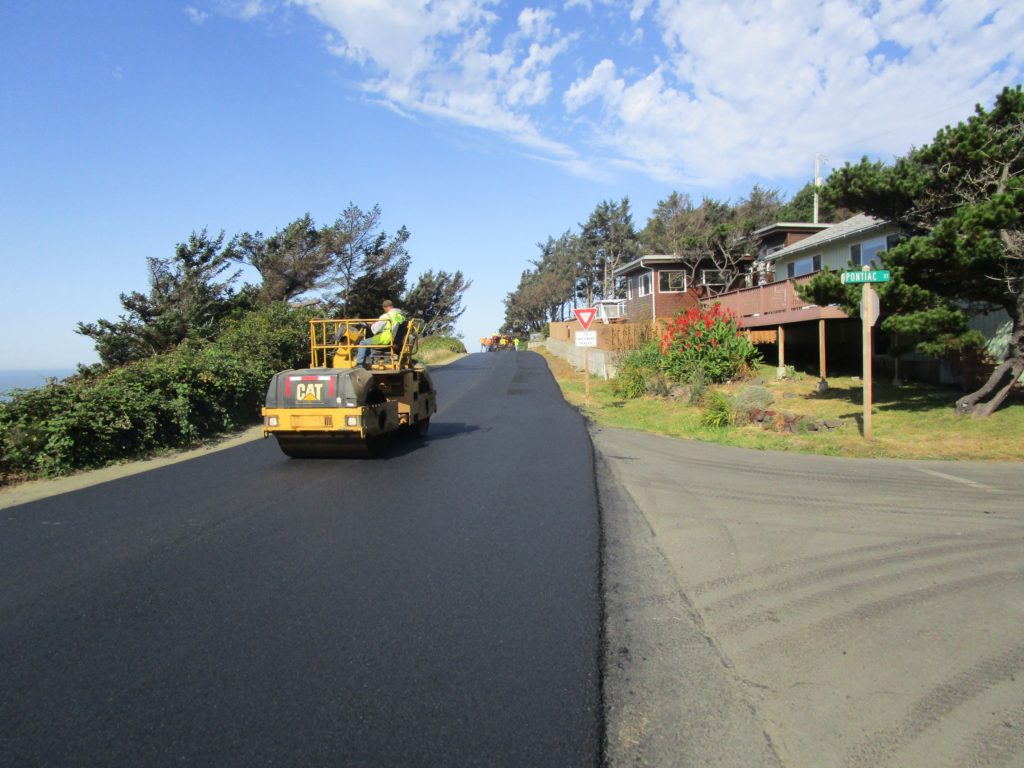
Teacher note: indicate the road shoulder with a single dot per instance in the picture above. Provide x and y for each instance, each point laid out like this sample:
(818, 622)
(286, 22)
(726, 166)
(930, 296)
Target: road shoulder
(34, 490)
(669, 697)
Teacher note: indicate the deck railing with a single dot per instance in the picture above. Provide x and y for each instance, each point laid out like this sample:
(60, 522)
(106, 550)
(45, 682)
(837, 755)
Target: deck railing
(762, 299)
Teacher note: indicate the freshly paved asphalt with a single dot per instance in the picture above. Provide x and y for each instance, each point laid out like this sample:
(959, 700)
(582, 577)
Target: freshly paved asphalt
(466, 602)
(440, 607)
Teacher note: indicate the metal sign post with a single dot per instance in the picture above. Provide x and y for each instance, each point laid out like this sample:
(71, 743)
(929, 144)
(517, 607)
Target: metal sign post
(869, 310)
(865, 315)
(586, 375)
(586, 339)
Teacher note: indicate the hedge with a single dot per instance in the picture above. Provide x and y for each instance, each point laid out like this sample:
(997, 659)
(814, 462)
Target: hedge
(168, 401)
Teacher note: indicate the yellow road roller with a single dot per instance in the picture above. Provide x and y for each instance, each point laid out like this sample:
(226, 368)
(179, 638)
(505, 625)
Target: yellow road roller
(338, 409)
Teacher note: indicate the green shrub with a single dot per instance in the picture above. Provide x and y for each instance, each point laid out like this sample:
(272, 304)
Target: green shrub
(437, 349)
(751, 398)
(167, 401)
(698, 386)
(789, 372)
(657, 386)
(637, 369)
(708, 341)
(718, 410)
(442, 343)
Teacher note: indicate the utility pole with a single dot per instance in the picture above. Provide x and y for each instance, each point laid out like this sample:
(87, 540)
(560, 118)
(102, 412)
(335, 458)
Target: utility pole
(817, 182)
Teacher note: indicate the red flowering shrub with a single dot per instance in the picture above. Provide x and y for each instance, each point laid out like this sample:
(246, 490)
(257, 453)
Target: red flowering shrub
(705, 344)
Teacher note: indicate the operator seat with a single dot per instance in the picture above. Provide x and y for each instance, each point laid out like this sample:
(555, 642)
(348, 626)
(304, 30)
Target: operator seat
(391, 356)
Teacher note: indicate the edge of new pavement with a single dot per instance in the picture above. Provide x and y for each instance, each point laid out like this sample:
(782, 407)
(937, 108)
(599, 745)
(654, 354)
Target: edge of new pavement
(670, 697)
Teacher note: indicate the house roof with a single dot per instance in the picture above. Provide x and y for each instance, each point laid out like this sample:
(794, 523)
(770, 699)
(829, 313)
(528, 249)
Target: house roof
(647, 261)
(789, 226)
(854, 225)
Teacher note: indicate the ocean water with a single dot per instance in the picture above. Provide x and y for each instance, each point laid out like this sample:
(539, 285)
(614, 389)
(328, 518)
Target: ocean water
(29, 379)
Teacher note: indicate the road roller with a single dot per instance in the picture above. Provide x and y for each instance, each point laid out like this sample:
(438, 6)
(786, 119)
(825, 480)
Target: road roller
(337, 408)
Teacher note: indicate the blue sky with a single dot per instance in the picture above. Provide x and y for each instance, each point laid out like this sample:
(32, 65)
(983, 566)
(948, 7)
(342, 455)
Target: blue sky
(483, 127)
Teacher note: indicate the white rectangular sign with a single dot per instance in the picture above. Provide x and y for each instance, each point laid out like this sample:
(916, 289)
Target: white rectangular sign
(586, 338)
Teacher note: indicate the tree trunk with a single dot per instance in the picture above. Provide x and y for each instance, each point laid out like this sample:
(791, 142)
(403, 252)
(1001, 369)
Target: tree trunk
(986, 400)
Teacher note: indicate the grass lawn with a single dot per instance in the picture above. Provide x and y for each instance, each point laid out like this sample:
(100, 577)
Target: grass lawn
(908, 422)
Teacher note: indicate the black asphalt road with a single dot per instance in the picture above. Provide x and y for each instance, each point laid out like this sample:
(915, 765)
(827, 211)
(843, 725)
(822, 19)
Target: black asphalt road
(439, 607)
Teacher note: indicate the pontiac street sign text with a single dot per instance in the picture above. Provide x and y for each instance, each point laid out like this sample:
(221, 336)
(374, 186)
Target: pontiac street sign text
(869, 276)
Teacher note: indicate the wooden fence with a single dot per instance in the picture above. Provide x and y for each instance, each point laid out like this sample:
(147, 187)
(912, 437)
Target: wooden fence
(613, 337)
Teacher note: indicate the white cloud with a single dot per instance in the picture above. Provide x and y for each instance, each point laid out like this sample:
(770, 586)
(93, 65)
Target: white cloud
(536, 24)
(701, 93)
(401, 37)
(753, 89)
(245, 9)
(442, 59)
(196, 16)
(639, 9)
(601, 83)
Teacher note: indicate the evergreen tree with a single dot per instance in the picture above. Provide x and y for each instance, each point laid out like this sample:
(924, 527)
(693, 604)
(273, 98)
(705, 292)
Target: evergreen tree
(959, 202)
(292, 262)
(437, 300)
(186, 299)
(607, 240)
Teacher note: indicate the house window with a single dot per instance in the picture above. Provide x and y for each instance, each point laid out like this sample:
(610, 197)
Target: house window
(717, 278)
(621, 287)
(803, 266)
(645, 284)
(871, 250)
(891, 241)
(862, 254)
(672, 282)
(629, 288)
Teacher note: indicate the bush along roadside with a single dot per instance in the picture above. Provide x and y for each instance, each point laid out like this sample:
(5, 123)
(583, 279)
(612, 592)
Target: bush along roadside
(706, 343)
(752, 404)
(435, 349)
(697, 348)
(168, 401)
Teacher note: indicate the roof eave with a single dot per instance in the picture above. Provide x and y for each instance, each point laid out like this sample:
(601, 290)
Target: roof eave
(643, 262)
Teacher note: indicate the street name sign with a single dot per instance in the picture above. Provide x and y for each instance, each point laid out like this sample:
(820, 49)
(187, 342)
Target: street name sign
(586, 338)
(865, 276)
(586, 316)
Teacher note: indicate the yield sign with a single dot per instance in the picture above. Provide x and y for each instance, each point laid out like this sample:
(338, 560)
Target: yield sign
(585, 316)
